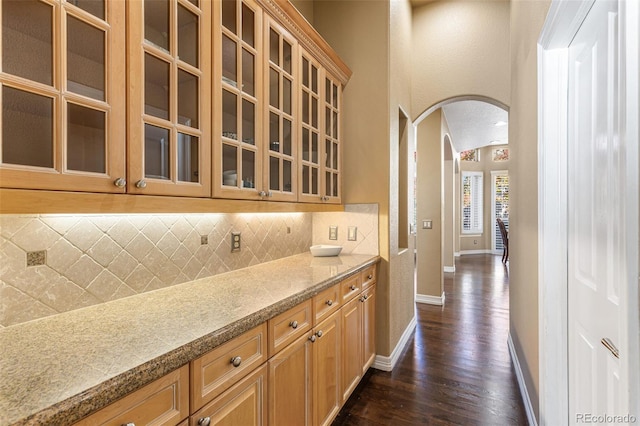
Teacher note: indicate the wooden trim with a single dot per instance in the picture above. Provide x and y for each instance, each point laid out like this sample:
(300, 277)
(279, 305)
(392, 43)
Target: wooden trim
(21, 201)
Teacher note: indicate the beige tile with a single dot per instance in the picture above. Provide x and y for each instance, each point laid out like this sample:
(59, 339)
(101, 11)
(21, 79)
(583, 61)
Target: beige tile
(181, 228)
(13, 260)
(105, 286)
(34, 236)
(139, 278)
(168, 244)
(105, 222)
(181, 256)
(83, 234)
(192, 268)
(104, 251)
(155, 284)
(16, 307)
(62, 255)
(123, 265)
(11, 223)
(154, 260)
(192, 241)
(60, 224)
(62, 295)
(83, 271)
(154, 230)
(139, 247)
(123, 291)
(123, 232)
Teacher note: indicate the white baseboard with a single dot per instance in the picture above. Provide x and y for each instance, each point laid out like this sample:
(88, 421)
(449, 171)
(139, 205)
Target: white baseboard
(484, 251)
(386, 363)
(523, 387)
(430, 300)
(456, 254)
(449, 269)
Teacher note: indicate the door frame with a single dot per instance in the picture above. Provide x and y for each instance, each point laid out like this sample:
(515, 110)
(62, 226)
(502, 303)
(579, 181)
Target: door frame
(494, 224)
(563, 21)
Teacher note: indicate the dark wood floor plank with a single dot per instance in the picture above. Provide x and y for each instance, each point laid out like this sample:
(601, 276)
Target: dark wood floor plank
(456, 370)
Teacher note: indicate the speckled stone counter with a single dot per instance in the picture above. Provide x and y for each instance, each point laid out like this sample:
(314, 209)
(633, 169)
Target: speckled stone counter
(61, 368)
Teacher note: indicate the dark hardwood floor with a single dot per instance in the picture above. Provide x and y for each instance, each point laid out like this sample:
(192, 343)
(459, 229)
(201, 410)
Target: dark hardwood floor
(456, 369)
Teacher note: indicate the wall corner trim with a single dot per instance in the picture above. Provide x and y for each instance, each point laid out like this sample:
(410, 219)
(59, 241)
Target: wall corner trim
(430, 300)
(531, 417)
(456, 254)
(449, 268)
(387, 363)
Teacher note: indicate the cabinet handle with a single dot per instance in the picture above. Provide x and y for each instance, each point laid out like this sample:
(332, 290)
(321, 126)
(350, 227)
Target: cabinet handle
(294, 324)
(205, 421)
(362, 299)
(329, 302)
(141, 184)
(129, 424)
(319, 333)
(312, 338)
(353, 287)
(120, 182)
(370, 276)
(236, 361)
(262, 194)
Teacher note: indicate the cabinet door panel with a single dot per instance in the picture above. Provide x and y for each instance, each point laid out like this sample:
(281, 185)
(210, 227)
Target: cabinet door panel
(351, 347)
(327, 398)
(369, 327)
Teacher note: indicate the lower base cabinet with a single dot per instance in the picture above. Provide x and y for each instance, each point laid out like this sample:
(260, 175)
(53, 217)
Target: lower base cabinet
(351, 347)
(327, 398)
(242, 404)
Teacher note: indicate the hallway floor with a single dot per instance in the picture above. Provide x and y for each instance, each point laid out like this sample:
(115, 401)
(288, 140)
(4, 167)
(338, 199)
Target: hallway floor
(456, 369)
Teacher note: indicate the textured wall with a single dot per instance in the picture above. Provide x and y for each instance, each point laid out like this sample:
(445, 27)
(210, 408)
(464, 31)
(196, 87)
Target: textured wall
(92, 259)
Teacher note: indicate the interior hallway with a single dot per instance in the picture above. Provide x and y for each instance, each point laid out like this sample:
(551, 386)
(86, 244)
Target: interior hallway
(456, 369)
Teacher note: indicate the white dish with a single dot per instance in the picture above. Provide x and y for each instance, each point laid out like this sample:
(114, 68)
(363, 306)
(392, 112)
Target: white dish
(325, 250)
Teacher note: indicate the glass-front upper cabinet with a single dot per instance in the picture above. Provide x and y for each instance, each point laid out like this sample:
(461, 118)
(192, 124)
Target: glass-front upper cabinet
(332, 154)
(280, 135)
(169, 97)
(238, 100)
(62, 95)
(310, 125)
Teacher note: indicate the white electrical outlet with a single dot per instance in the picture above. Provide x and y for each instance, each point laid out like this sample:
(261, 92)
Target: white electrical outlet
(333, 232)
(352, 233)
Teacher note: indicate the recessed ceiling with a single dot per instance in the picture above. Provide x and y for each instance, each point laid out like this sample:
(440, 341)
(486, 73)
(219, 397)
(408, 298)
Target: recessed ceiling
(474, 124)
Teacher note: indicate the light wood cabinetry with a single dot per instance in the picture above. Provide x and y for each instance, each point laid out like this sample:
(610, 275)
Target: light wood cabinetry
(350, 287)
(368, 327)
(288, 326)
(327, 398)
(62, 95)
(163, 402)
(351, 347)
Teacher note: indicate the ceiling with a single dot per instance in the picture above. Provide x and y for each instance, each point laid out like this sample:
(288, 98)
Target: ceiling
(472, 124)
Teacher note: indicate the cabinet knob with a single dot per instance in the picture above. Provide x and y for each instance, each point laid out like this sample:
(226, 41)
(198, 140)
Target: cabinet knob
(353, 287)
(294, 324)
(236, 361)
(362, 299)
(324, 198)
(319, 333)
(262, 194)
(205, 421)
(120, 182)
(129, 424)
(329, 302)
(141, 184)
(312, 338)
(370, 276)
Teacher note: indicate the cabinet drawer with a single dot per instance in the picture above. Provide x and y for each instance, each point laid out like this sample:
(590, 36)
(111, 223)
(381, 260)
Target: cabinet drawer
(369, 276)
(350, 288)
(163, 402)
(326, 303)
(288, 326)
(218, 370)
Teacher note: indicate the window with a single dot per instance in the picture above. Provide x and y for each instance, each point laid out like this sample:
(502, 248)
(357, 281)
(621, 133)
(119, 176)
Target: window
(472, 202)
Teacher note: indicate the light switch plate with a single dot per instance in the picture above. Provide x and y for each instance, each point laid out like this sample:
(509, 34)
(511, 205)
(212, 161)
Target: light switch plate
(236, 241)
(333, 232)
(352, 233)
(427, 224)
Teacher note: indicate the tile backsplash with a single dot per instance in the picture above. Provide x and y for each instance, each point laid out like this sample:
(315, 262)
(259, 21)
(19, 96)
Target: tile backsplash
(362, 216)
(91, 259)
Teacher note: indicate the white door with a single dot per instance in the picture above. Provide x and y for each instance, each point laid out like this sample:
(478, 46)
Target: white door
(596, 216)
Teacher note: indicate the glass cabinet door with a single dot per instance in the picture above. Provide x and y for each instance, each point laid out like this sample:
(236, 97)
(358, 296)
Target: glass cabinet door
(281, 149)
(332, 153)
(62, 94)
(237, 162)
(169, 100)
(310, 142)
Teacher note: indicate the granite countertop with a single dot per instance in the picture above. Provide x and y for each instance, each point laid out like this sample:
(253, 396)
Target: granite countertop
(59, 369)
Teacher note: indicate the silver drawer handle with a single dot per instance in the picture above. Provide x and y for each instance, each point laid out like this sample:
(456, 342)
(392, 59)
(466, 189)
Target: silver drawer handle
(370, 276)
(236, 361)
(609, 345)
(312, 338)
(319, 333)
(329, 302)
(353, 287)
(294, 324)
(205, 421)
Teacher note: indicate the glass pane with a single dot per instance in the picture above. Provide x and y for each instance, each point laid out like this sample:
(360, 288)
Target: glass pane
(327, 147)
(314, 112)
(188, 161)
(305, 144)
(248, 122)
(187, 36)
(229, 165)
(94, 7)
(156, 152)
(27, 129)
(286, 56)
(314, 181)
(156, 87)
(314, 79)
(156, 23)
(335, 96)
(274, 47)
(305, 107)
(327, 121)
(327, 190)
(286, 95)
(305, 179)
(274, 173)
(229, 115)
(335, 125)
(248, 169)
(274, 88)
(188, 99)
(247, 25)
(85, 59)
(305, 72)
(335, 184)
(286, 136)
(229, 61)
(286, 176)
(314, 148)
(334, 163)
(248, 67)
(327, 91)
(274, 132)
(27, 38)
(229, 15)
(85, 139)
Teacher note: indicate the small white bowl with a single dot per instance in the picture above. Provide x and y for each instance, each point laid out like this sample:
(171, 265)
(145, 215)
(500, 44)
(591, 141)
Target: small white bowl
(325, 250)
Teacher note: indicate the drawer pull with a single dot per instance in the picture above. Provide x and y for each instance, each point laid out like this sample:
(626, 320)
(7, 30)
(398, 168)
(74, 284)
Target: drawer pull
(129, 424)
(205, 421)
(312, 338)
(236, 361)
(370, 276)
(362, 299)
(353, 287)
(141, 184)
(294, 324)
(329, 302)
(319, 333)
(120, 182)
